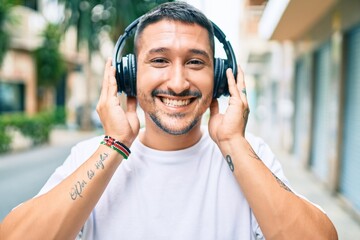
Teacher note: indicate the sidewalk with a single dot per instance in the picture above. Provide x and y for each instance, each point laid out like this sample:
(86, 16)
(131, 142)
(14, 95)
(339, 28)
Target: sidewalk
(60, 137)
(306, 184)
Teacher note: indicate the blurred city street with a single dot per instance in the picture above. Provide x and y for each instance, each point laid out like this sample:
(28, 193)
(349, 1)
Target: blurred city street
(22, 174)
(306, 184)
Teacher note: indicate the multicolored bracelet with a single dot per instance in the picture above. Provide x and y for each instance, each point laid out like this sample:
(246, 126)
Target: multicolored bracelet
(117, 146)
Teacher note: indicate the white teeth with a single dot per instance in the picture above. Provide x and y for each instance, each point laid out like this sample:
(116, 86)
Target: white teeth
(175, 103)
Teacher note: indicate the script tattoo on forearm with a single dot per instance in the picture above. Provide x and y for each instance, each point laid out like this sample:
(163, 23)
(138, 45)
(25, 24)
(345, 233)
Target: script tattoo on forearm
(78, 188)
(254, 155)
(281, 183)
(230, 163)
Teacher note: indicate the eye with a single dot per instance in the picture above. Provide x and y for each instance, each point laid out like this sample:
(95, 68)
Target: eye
(195, 63)
(159, 62)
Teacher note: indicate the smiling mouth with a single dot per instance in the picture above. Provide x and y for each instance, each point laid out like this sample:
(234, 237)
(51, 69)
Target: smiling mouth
(175, 103)
(171, 99)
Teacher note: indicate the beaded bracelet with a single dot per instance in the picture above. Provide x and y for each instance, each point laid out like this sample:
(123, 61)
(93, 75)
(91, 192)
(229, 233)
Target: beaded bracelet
(117, 146)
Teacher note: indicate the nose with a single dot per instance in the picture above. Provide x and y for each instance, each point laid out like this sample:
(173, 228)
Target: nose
(178, 81)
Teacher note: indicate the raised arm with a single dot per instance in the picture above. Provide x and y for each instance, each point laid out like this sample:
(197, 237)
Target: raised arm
(280, 213)
(60, 213)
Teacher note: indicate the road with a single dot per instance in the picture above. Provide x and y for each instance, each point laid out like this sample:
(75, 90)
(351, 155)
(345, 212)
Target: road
(23, 174)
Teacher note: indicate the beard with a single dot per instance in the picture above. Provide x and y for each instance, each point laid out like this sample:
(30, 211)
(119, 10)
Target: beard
(175, 123)
(172, 130)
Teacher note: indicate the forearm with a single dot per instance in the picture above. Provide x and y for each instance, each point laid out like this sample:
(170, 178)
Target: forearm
(60, 213)
(279, 212)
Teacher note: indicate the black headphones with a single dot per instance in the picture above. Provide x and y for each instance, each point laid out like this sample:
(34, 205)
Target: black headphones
(126, 65)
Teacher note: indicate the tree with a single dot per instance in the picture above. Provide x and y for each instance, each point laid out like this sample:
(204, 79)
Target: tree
(5, 7)
(50, 65)
(92, 17)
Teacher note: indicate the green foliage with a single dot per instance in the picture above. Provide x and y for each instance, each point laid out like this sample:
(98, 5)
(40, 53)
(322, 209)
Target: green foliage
(50, 65)
(5, 6)
(37, 127)
(59, 116)
(93, 16)
(4, 44)
(5, 139)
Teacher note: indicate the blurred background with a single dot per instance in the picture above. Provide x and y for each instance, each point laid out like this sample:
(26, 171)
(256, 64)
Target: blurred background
(301, 60)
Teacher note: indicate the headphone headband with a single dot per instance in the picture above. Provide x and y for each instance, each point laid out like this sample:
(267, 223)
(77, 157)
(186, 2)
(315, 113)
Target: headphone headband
(120, 43)
(220, 65)
(227, 47)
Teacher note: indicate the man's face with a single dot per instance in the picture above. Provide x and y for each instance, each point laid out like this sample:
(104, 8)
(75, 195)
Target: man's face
(174, 75)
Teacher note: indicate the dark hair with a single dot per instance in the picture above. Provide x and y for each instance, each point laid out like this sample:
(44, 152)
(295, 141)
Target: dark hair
(176, 11)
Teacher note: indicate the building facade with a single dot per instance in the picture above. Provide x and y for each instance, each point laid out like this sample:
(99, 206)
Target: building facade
(19, 90)
(312, 99)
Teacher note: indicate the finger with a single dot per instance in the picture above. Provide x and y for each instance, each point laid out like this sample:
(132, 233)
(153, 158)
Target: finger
(104, 88)
(112, 89)
(215, 118)
(239, 77)
(234, 92)
(241, 86)
(131, 114)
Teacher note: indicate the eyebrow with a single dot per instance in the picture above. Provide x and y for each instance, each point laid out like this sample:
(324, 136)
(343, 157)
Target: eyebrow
(158, 50)
(192, 50)
(200, 52)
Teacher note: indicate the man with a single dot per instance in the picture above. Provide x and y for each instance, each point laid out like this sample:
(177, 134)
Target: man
(181, 180)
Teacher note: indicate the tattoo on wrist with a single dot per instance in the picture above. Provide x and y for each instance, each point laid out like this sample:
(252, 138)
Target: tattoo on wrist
(281, 183)
(78, 188)
(230, 163)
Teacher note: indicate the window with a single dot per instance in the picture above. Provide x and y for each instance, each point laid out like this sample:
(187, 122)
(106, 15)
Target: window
(31, 4)
(11, 97)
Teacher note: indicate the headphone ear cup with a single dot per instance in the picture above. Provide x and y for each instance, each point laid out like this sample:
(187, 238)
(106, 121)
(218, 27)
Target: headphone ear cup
(132, 75)
(220, 80)
(126, 77)
(118, 77)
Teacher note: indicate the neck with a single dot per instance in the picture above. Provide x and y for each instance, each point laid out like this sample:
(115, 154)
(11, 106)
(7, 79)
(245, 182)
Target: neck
(156, 138)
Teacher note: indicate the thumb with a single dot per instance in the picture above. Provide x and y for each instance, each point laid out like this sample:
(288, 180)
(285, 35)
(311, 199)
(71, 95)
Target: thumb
(132, 115)
(214, 107)
(214, 119)
(131, 104)
(113, 84)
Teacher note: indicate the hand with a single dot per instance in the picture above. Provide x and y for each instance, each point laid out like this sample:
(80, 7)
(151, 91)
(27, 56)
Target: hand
(118, 123)
(223, 127)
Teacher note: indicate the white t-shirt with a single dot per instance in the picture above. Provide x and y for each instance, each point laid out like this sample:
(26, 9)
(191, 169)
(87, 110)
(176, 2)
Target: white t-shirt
(170, 195)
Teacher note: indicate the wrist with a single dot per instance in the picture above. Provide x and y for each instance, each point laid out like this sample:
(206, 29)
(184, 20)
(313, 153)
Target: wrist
(121, 139)
(116, 145)
(236, 143)
(236, 140)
